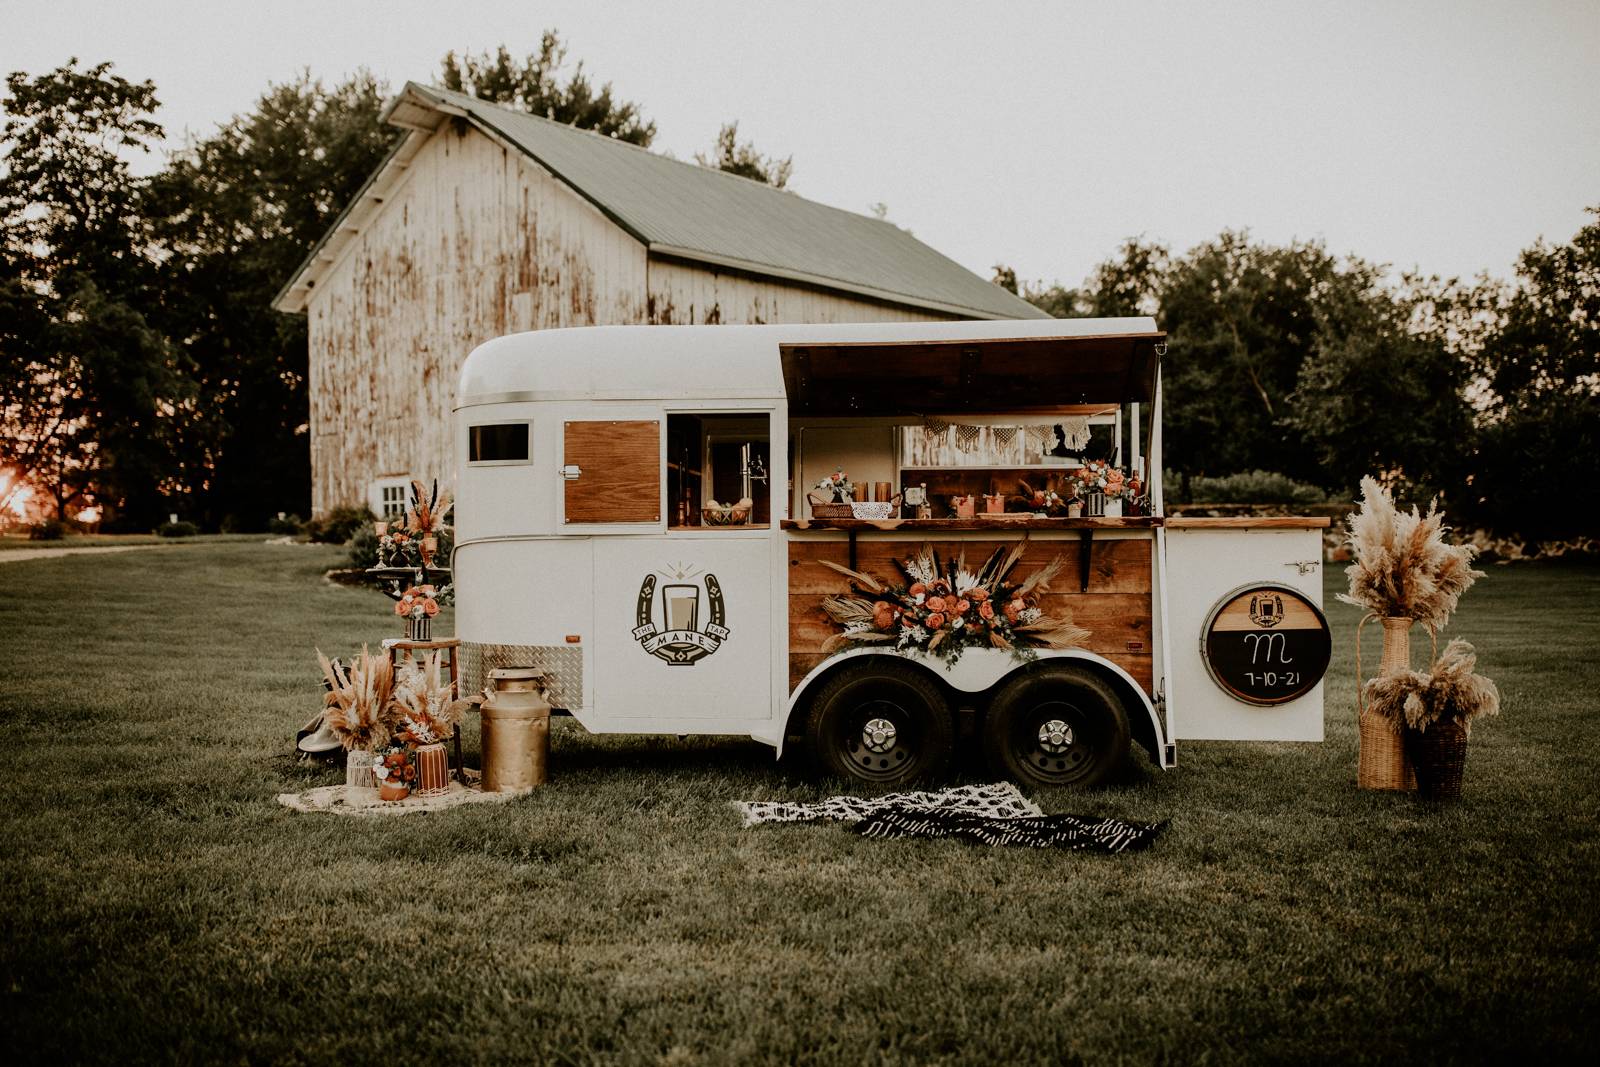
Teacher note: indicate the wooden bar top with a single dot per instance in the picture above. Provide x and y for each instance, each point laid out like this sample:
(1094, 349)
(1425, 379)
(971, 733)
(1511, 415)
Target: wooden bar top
(1249, 522)
(1131, 522)
(981, 522)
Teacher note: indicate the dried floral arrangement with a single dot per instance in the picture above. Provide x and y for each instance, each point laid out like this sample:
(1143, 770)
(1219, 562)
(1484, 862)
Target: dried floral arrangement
(1403, 566)
(360, 703)
(945, 608)
(839, 484)
(1451, 692)
(427, 710)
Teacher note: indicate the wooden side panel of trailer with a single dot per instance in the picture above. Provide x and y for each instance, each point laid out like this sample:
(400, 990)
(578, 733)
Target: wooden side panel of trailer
(1116, 609)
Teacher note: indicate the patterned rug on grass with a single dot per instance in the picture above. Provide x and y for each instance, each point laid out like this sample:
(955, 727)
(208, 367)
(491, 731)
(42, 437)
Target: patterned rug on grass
(1068, 832)
(1000, 800)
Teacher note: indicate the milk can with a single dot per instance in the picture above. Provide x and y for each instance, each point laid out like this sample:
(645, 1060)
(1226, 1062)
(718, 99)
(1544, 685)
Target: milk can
(516, 730)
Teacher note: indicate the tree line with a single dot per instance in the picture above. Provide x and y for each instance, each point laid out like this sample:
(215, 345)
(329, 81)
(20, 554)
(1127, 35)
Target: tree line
(146, 373)
(1292, 360)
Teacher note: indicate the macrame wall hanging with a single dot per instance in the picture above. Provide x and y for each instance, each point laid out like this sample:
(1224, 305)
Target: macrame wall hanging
(1076, 432)
(967, 436)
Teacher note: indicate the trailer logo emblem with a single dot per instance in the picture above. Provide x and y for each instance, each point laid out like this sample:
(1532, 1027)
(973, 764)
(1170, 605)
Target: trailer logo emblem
(679, 640)
(1266, 609)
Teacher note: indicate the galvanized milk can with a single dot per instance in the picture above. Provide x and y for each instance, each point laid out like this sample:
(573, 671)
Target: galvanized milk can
(516, 730)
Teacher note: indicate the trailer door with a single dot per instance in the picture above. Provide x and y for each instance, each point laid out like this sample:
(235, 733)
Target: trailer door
(611, 471)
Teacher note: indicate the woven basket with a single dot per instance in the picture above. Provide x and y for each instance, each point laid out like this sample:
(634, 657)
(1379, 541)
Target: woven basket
(1382, 763)
(1439, 755)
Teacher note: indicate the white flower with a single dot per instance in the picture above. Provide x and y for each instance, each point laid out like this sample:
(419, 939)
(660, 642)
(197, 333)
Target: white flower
(1029, 615)
(921, 598)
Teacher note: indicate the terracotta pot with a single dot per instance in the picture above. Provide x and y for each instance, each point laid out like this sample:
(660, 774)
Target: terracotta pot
(393, 790)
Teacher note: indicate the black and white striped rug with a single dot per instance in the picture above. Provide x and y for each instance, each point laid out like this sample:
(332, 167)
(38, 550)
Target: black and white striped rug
(1041, 831)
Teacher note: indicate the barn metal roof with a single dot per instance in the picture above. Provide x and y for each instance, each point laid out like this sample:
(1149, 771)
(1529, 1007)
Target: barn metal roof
(689, 212)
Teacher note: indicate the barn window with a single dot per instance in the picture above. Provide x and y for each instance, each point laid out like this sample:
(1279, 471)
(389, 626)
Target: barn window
(499, 442)
(717, 470)
(387, 496)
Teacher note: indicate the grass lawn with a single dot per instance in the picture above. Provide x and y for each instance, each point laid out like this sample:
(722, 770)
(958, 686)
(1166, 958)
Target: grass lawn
(159, 905)
(9, 541)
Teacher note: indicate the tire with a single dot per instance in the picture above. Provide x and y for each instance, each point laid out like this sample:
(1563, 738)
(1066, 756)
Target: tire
(845, 728)
(1023, 738)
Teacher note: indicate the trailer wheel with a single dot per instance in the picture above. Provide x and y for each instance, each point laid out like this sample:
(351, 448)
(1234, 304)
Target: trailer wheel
(1057, 725)
(885, 723)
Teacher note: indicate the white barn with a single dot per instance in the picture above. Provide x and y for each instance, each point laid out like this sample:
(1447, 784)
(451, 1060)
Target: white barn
(485, 221)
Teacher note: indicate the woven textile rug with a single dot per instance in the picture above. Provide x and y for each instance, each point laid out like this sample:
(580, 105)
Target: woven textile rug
(1000, 800)
(1044, 831)
(342, 800)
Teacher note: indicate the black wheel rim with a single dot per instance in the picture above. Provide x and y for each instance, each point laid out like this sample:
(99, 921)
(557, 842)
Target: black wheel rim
(878, 740)
(1056, 743)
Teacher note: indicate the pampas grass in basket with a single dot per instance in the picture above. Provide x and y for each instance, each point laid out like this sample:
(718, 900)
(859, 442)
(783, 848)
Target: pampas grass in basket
(1403, 567)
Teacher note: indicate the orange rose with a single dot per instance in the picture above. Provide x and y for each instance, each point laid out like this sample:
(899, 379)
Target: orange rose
(986, 610)
(936, 603)
(935, 621)
(1011, 612)
(400, 607)
(882, 616)
(917, 589)
(979, 594)
(962, 606)
(431, 607)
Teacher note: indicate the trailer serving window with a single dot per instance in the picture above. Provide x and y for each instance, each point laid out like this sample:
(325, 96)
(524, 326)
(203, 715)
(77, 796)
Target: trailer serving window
(717, 470)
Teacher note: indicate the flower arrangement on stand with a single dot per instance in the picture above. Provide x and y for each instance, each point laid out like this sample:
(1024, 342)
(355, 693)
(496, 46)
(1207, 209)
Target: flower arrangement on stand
(418, 605)
(1403, 572)
(944, 608)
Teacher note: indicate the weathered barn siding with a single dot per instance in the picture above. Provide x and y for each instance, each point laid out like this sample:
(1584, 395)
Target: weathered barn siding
(478, 242)
(683, 294)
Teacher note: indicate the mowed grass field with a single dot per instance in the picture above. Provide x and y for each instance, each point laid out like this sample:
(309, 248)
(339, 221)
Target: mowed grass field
(158, 904)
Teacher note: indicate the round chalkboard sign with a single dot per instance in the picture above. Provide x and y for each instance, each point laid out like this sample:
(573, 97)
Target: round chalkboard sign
(1266, 644)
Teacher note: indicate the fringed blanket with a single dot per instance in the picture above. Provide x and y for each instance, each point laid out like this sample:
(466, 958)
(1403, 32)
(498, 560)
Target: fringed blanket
(996, 814)
(1043, 831)
(1000, 800)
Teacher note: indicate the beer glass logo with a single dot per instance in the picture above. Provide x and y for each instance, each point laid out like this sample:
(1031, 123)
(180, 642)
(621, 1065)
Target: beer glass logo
(668, 617)
(1266, 609)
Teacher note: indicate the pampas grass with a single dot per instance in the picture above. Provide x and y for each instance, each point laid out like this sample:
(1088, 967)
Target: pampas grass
(1450, 692)
(1403, 565)
(361, 708)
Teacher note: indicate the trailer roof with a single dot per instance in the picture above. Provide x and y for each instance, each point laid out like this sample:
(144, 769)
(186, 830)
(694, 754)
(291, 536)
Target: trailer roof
(833, 369)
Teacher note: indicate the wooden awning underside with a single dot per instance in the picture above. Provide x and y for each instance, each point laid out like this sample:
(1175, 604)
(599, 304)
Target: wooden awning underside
(993, 376)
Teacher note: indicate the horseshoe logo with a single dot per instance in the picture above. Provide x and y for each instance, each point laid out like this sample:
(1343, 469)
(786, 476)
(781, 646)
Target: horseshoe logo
(667, 620)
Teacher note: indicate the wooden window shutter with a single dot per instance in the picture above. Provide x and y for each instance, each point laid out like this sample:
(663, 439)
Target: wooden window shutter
(618, 471)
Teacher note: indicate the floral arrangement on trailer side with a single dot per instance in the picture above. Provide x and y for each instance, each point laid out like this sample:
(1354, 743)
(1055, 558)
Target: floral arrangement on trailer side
(944, 608)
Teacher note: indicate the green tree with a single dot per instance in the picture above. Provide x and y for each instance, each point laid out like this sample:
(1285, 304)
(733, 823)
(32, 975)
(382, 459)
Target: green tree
(1380, 392)
(94, 395)
(1533, 471)
(744, 160)
(535, 85)
(237, 212)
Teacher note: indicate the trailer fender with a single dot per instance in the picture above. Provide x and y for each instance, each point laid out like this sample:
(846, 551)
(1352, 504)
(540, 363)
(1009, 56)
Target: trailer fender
(979, 670)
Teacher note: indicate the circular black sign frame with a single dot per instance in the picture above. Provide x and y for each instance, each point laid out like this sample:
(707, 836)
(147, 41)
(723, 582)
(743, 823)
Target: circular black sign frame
(1229, 688)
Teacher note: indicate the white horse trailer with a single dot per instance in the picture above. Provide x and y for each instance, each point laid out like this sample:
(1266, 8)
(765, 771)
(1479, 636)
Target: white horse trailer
(588, 544)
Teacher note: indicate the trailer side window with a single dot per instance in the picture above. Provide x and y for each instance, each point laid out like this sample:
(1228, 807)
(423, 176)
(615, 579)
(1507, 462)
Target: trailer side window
(498, 442)
(718, 468)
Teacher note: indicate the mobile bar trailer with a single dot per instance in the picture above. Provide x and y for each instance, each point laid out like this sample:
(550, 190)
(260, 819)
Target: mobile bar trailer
(633, 518)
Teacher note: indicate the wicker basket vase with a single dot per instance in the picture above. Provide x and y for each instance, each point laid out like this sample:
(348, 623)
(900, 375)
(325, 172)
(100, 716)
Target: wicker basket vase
(1439, 755)
(1382, 763)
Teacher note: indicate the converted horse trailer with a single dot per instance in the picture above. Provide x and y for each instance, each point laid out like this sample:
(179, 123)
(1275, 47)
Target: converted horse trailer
(638, 515)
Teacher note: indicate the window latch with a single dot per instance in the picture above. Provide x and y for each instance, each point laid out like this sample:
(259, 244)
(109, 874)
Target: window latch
(1305, 566)
(571, 472)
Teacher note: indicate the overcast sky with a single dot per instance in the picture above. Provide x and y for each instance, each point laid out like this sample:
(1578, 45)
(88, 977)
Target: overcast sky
(1441, 135)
